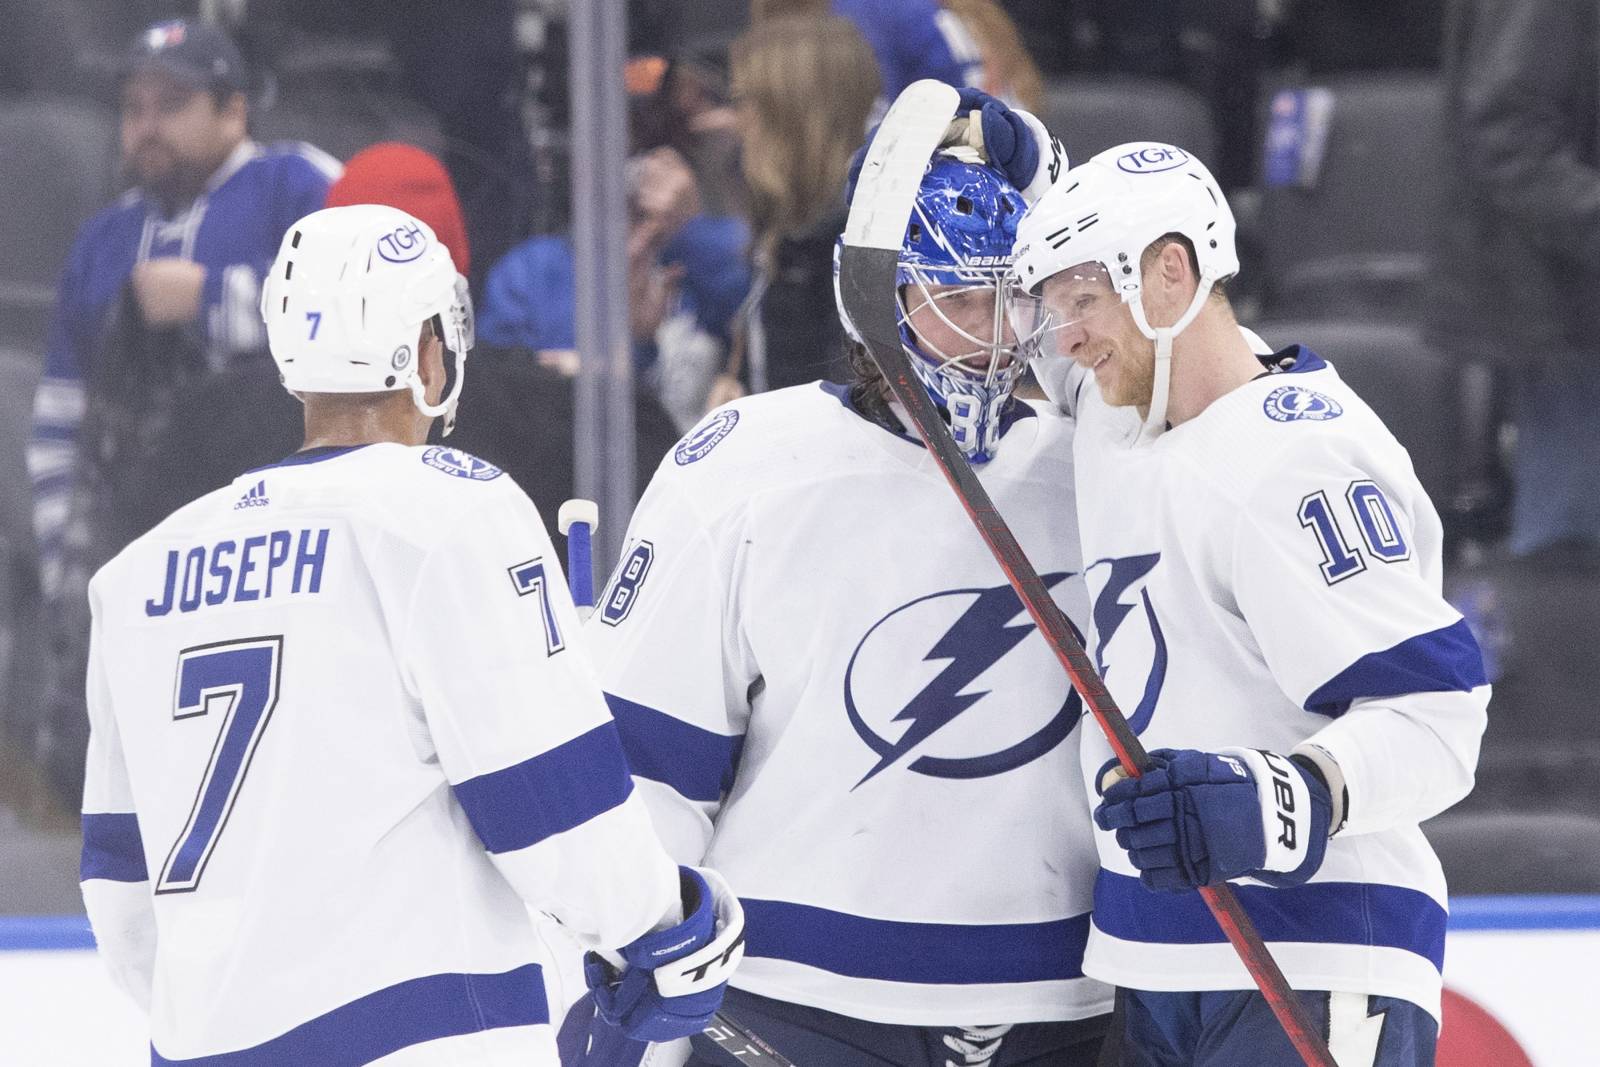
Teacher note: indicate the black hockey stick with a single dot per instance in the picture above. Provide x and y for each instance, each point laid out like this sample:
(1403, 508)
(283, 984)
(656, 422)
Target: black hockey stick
(577, 520)
(883, 202)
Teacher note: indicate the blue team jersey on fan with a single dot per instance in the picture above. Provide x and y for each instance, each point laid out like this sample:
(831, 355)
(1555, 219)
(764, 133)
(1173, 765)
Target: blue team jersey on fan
(827, 689)
(1267, 574)
(232, 230)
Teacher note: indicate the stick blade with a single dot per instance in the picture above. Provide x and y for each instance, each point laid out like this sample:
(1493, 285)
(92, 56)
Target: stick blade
(906, 139)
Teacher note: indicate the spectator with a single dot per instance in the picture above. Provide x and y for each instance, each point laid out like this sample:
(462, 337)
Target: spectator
(911, 39)
(804, 86)
(160, 291)
(415, 181)
(1517, 266)
(1007, 70)
(687, 274)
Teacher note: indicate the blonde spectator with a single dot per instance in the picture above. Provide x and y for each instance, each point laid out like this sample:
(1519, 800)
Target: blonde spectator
(1008, 71)
(804, 86)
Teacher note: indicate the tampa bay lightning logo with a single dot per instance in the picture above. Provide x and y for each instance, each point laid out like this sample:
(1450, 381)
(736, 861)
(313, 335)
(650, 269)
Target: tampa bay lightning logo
(1123, 611)
(459, 464)
(705, 437)
(937, 710)
(1290, 403)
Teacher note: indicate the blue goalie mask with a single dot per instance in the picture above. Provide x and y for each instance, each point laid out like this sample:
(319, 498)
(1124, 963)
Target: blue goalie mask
(950, 289)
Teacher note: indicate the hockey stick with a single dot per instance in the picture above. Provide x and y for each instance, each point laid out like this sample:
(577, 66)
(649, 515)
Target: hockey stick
(577, 520)
(883, 202)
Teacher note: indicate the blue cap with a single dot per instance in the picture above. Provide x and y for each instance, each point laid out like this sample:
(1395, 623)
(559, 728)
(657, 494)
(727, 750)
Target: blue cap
(195, 53)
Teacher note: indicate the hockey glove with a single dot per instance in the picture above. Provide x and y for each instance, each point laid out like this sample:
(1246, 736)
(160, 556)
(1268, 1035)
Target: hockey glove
(1009, 139)
(1202, 818)
(675, 978)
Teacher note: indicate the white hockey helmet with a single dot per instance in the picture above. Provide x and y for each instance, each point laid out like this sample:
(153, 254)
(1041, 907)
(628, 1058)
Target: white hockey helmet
(347, 296)
(1098, 220)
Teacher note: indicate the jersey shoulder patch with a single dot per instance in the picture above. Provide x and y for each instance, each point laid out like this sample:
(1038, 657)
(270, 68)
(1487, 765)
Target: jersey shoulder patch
(712, 431)
(1294, 403)
(459, 464)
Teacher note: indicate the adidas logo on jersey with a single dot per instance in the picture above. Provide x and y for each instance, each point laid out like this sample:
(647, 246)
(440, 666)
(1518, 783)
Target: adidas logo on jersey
(255, 498)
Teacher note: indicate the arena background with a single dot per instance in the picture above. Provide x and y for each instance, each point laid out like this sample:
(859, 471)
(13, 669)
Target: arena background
(598, 156)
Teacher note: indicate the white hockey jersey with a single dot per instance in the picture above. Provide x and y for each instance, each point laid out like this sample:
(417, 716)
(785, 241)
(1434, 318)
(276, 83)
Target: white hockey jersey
(827, 690)
(1263, 575)
(345, 732)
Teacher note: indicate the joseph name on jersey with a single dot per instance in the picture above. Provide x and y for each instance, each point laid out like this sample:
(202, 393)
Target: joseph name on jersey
(828, 691)
(1263, 575)
(344, 734)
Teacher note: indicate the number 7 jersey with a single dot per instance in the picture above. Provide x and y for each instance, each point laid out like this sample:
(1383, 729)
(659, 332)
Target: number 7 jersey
(344, 734)
(1267, 574)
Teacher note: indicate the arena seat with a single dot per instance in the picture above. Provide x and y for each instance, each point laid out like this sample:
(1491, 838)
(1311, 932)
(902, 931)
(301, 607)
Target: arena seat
(1355, 236)
(57, 166)
(1491, 852)
(1412, 387)
(1091, 113)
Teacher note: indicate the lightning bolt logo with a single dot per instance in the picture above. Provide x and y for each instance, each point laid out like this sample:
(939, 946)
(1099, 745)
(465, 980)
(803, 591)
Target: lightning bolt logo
(979, 639)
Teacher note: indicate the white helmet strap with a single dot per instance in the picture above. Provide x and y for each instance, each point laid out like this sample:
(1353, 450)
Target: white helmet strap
(1155, 423)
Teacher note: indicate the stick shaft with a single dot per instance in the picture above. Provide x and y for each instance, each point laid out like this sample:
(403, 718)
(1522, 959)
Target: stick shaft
(867, 278)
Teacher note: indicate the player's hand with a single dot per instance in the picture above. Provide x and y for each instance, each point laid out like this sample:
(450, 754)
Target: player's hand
(168, 290)
(675, 978)
(1202, 818)
(1008, 139)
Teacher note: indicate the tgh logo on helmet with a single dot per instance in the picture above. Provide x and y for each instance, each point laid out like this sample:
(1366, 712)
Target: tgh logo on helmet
(1151, 159)
(404, 244)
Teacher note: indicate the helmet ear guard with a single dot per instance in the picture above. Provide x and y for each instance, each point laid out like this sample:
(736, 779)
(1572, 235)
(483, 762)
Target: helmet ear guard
(346, 300)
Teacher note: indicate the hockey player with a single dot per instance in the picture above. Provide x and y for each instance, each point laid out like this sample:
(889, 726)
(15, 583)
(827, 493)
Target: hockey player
(826, 688)
(1265, 578)
(345, 731)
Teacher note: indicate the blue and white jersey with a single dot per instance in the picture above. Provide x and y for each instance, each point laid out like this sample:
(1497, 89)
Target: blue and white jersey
(1265, 575)
(345, 734)
(232, 229)
(827, 690)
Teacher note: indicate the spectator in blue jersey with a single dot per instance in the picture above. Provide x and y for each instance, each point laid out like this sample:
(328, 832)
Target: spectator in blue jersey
(911, 39)
(160, 291)
(687, 274)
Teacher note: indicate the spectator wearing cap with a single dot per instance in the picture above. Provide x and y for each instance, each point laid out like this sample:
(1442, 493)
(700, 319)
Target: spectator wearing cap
(160, 291)
(413, 180)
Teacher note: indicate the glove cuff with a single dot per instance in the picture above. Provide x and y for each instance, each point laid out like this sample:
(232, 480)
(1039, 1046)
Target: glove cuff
(711, 964)
(1287, 814)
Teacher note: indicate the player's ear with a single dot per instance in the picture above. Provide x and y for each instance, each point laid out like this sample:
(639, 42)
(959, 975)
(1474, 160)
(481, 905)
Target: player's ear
(1173, 265)
(430, 362)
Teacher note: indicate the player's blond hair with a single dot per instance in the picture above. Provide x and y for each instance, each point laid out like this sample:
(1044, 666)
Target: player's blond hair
(806, 84)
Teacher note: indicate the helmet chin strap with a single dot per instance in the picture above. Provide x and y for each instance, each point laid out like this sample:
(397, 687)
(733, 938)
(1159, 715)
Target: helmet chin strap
(1155, 423)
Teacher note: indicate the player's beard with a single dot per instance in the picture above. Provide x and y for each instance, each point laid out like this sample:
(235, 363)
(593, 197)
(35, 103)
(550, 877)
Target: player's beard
(1131, 382)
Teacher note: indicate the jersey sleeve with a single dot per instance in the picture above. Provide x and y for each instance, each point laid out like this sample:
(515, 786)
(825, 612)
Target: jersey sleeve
(674, 663)
(1335, 566)
(494, 652)
(113, 872)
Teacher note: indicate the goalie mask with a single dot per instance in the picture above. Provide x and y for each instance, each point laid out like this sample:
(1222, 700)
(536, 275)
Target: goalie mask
(1080, 247)
(950, 291)
(346, 299)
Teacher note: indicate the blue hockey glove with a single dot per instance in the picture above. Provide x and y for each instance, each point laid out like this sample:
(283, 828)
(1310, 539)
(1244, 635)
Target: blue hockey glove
(1201, 818)
(674, 978)
(1008, 139)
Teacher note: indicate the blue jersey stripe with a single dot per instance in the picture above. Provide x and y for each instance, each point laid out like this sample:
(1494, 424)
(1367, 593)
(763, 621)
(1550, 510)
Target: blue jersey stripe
(1350, 913)
(698, 763)
(554, 791)
(406, 1014)
(112, 848)
(922, 953)
(1443, 661)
